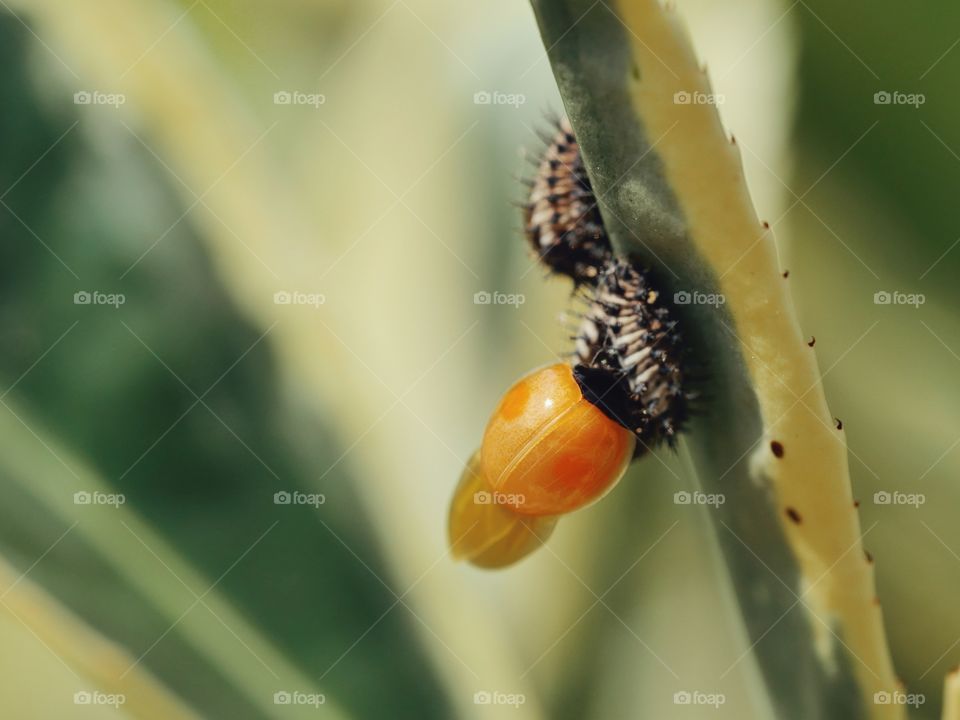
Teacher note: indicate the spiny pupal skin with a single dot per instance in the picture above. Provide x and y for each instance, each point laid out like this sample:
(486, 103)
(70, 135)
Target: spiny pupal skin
(628, 349)
(631, 356)
(561, 218)
(562, 436)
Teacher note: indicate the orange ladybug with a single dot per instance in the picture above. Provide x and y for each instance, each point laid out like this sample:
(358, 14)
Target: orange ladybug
(547, 450)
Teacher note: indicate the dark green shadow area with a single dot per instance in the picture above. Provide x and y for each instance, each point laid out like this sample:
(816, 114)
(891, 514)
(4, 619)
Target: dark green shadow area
(203, 475)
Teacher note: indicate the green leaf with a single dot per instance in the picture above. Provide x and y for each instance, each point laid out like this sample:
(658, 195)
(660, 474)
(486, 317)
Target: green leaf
(125, 542)
(98, 662)
(672, 194)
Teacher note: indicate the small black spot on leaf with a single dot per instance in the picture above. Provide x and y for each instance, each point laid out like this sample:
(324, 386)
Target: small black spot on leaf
(777, 448)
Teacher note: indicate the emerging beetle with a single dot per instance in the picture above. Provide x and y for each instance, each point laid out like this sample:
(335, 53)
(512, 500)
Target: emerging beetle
(563, 435)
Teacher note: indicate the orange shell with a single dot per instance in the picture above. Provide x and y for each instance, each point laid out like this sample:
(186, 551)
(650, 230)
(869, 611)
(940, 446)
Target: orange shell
(488, 534)
(548, 449)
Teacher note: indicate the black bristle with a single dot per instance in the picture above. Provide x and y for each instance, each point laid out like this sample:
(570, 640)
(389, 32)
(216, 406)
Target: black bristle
(634, 367)
(645, 395)
(563, 223)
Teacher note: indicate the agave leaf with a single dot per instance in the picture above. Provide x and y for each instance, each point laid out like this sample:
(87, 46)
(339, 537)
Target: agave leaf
(927, 419)
(672, 193)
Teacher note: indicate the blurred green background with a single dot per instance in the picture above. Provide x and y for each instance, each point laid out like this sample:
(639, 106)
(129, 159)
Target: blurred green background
(379, 200)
